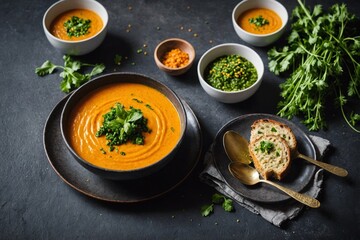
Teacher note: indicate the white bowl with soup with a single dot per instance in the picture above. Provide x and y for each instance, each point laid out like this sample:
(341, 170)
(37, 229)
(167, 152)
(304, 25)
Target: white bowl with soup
(75, 27)
(259, 22)
(230, 72)
(85, 112)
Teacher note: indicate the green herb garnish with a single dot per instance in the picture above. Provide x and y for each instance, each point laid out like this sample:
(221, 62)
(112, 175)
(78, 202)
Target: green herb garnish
(149, 106)
(323, 54)
(71, 76)
(120, 126)
(102, 151)
(137, 100)
(259, 21)
(231, 73)
(76, 27)
(266, 146)
(226, 203)
(117, 59)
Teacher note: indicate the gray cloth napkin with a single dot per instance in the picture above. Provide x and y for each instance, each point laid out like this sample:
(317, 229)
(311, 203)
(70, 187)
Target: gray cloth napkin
(276, 213)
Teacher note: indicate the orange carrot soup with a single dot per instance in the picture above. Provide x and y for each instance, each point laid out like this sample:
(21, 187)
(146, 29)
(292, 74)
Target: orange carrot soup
(87, 117)
(259, 21)
(75, 25)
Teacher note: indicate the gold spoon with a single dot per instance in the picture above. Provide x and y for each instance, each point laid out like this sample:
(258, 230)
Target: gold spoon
(249, 176)
(238, 152)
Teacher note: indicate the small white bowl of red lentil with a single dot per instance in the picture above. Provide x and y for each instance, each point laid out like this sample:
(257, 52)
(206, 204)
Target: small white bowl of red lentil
(230, 72)
(174, 56)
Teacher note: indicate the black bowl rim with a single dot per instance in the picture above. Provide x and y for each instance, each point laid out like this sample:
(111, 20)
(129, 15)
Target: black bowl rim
(110, 173)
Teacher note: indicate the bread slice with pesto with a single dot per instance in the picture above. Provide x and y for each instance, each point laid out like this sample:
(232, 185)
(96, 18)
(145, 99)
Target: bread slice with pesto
(263, 127)
(271, 156)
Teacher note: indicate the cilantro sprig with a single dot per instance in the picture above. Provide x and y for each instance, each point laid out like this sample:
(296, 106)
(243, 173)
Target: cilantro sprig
(323, 56)
(226, 204)
(121, 125)
(71, 76)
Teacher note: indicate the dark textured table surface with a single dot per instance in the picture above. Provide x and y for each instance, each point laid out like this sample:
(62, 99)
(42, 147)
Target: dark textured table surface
(36, 204)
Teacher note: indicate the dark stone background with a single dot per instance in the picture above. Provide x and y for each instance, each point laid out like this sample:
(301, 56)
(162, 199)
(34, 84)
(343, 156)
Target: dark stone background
(36, 204)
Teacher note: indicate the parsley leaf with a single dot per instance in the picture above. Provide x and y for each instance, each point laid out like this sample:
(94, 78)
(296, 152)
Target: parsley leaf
(226, 204)
(46, 68)
(71, 77)
(120, 126)
(322, 60)
(206, 210)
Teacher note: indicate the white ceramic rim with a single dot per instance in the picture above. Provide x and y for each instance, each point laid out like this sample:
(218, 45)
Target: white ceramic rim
(260, 74)
(286, 17)
(104, 18)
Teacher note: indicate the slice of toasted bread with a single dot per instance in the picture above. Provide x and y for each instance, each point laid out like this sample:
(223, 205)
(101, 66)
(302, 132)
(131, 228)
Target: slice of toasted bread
(271, 156)
(263, 127)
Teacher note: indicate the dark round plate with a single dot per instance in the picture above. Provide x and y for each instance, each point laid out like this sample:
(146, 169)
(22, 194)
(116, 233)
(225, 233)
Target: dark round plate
(128, 191)
(297, 178)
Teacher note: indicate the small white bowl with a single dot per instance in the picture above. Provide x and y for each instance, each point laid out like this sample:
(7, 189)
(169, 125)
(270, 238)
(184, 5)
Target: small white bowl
(259, 40)
(229, 49)
(75, 47)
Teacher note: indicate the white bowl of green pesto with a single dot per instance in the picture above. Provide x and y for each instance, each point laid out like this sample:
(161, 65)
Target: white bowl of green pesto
(230, 72)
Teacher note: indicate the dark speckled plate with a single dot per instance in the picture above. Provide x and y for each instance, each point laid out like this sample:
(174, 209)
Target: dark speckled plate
(129, 191)
(297, 178)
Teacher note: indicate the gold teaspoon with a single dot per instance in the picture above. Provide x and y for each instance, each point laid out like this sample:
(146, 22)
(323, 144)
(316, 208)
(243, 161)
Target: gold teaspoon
(249, 176)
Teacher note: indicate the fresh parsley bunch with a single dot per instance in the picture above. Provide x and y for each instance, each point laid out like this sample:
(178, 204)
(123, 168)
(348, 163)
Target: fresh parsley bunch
(120, 126)
(323, 54)
(71, 76)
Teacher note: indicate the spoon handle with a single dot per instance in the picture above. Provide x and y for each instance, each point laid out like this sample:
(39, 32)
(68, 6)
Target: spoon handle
(305, 199)
(328, 167)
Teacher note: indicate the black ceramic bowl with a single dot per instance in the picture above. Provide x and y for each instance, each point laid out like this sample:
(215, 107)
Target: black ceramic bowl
(102, 81)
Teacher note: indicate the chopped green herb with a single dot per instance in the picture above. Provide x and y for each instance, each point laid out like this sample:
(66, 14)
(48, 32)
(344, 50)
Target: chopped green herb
(226, 203)
(71, 76)
(273, 129)
(139, 50)
(266, 146)
(123, 153)
(149, 106)
(231, 73)
(137, 100)
(117, 59)
(103, 151)
(259, 21)
(76, 27)
(120, 126)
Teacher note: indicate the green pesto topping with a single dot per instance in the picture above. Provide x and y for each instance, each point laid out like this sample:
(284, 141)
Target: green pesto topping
(76, 27)
(231, 73)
